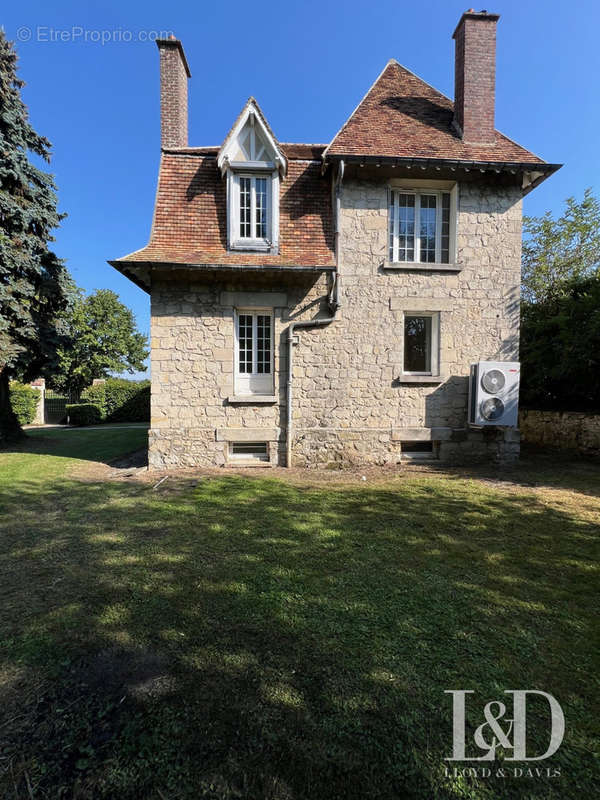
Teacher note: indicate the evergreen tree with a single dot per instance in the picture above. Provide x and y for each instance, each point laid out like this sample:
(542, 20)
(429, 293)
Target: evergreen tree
(34, 284)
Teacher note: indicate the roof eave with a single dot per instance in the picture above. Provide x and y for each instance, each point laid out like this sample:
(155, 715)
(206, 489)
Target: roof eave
(124, 267)
(125, 270)
(515, 167)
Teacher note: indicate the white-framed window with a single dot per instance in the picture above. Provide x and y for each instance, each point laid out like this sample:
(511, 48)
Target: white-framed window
(254, 352)
(254, 165)
(251, 210)
(421, 343)
(421, 226)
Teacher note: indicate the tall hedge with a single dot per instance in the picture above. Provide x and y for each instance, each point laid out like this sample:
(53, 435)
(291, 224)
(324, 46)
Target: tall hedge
(120, 400)
(23, 400)
(560, 350)
(83, 413)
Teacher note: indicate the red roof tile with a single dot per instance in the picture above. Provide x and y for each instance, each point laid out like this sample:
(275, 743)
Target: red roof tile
(401, 116)
(190, 217)
(303, 151)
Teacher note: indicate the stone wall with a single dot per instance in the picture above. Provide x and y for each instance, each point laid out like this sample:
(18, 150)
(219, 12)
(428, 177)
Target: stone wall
(568, 430)
(351, 404)
(193, 416)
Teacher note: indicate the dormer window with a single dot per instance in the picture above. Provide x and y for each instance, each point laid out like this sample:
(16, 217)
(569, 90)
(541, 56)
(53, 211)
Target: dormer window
(252, 163)
(251, 204)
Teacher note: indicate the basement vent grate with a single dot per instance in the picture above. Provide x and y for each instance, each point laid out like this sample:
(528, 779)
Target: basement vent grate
(419, 450)
(249, 451)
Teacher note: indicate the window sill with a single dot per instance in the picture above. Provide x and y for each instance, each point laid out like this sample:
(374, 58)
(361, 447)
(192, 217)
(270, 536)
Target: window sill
(413, 266)
(251, 463)
(263, 399)
(431, 379)
(252, 245)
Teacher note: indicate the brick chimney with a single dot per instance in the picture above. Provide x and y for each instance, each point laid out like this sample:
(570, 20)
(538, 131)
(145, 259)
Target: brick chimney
(475, 76)
(174, 74)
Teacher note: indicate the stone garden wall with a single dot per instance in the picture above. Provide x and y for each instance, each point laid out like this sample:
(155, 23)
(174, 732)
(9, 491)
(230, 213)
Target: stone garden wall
(567, 430)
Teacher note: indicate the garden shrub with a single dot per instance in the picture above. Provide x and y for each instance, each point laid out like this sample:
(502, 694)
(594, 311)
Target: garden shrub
(83, 413)
(135, 409)
(560, 350)
(24, 400)
(121, 400)
(97, 396)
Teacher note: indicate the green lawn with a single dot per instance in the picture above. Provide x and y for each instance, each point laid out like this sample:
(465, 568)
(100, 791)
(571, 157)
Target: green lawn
(255, 637)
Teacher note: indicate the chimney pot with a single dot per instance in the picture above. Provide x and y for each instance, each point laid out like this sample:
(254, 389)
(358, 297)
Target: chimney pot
(475, 76)
(174, 74)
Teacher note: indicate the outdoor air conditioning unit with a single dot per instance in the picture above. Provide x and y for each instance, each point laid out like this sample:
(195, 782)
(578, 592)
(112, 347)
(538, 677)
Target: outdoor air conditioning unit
(494, 394)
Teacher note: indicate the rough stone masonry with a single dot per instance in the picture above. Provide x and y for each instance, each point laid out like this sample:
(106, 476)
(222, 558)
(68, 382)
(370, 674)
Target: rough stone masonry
(351, 405)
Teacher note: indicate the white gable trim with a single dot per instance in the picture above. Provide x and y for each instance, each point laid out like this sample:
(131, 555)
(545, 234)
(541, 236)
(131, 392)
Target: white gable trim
(229, 147)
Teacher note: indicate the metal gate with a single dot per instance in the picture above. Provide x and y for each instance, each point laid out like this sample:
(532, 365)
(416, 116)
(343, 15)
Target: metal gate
(55, 412)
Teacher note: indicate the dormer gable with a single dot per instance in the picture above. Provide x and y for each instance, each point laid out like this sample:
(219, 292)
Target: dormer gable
(250, 144)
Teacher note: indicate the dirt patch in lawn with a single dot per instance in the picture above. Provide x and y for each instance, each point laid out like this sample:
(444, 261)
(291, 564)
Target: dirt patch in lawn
(536, 470)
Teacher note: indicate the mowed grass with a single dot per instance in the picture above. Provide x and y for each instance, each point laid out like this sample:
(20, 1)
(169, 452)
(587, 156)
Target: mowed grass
(49, 453)
(253, 637)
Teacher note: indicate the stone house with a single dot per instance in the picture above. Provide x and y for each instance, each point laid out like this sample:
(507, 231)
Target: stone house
(321, 304)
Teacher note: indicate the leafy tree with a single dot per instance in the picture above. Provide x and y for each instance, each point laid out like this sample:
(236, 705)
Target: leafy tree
(556, 251)
(102, 338)
(560, 349)
(34, 283)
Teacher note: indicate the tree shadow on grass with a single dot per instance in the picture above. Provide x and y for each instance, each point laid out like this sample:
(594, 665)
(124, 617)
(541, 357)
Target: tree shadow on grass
(103, 445)
(259, 640)
(537, 467)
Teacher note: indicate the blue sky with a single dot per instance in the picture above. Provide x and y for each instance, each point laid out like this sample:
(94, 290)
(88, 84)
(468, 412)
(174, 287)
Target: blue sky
(308, 64)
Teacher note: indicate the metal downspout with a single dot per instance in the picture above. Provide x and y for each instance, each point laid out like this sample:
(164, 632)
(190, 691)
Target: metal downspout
(334, 304)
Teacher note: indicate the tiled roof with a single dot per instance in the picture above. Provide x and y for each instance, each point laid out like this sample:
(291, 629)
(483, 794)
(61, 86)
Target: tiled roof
(190, 217)
(401, 116)
(303, 151)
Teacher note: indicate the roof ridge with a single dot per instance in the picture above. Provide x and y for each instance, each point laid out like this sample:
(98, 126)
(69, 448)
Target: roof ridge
(391, 62)
(194, 147)
(419, 78)
(402, 115)
(496, 130)
(356, 108)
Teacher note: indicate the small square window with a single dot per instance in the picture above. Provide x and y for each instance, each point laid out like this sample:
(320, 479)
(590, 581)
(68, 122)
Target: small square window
(421, 344)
